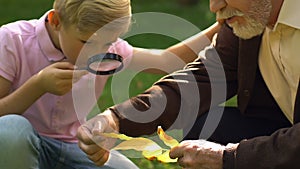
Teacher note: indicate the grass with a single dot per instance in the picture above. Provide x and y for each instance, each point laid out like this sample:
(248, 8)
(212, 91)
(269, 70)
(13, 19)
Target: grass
(199, 15)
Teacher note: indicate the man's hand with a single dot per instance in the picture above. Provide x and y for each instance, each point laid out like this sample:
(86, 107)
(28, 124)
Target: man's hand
(95, 146)
(198, 154)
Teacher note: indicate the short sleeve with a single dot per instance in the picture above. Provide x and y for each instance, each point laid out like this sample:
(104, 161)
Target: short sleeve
(8, 59)
(122, 48)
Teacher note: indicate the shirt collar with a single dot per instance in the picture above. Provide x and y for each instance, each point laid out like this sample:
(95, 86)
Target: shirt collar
(45, 43)
(289, 14)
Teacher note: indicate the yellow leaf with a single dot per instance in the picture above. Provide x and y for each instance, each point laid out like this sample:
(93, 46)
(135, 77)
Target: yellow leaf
(115, 135)
(168, 140)
(139, 144)
(149, 148)
(150, 155)
(165, 158)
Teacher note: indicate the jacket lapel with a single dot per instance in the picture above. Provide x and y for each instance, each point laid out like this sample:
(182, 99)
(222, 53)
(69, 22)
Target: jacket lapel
(297, 106)
(247, 67)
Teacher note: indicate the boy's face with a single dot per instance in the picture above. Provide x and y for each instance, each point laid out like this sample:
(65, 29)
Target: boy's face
(72, 43)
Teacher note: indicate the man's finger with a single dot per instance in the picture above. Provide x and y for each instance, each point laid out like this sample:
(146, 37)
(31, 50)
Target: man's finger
(176, 152)
(181, 162)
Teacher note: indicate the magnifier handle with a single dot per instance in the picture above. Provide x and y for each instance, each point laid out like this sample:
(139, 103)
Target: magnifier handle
(81, 68)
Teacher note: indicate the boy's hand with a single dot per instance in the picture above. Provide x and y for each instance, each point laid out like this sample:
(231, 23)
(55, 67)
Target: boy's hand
(59, 77)
(95, 146)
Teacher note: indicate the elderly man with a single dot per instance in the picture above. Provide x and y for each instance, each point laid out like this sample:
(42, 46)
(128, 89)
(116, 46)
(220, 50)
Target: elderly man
(257, 46)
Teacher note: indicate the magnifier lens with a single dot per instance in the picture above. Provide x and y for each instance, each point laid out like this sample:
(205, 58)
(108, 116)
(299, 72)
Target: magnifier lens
(105, 64)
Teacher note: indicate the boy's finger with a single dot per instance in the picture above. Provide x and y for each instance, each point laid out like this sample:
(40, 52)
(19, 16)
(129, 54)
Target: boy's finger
(84, 135)
(64, 65)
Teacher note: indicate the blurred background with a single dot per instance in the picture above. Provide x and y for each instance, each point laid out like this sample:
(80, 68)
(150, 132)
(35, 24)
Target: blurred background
(194, 11)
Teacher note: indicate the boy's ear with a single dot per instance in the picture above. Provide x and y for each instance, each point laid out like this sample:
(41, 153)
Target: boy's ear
(54, 19)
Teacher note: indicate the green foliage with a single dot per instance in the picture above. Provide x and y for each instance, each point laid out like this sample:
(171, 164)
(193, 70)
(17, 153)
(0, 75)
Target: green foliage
(12, 10)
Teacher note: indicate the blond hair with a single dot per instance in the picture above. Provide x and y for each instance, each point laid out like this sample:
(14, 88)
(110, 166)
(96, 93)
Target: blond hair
(91, 15)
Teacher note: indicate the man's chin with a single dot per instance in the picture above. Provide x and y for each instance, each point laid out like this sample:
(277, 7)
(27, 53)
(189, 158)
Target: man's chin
(246, 36)
(247, 32)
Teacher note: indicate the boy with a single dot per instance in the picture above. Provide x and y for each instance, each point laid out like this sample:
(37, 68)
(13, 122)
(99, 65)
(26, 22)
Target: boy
(36, 76)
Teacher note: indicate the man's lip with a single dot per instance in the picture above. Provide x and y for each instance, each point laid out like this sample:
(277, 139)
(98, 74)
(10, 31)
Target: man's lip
(231, 19)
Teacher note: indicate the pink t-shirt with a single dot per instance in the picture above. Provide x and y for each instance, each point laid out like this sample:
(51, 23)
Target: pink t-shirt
(25, 49)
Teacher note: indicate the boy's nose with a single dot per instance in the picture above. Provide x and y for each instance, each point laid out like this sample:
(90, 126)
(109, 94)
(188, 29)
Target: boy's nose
(216, 5)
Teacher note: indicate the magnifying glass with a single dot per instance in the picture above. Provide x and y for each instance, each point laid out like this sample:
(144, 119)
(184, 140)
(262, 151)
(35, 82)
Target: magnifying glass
(104, 64)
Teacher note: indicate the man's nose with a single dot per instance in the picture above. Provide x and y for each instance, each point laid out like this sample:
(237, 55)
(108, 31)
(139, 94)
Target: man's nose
(216, 5)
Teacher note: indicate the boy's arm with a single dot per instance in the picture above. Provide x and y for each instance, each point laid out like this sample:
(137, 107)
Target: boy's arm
(174, 57)
(56, 79)
(17, 102)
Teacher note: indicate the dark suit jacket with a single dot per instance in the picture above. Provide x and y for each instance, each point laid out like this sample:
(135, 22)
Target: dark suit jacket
(239, 59)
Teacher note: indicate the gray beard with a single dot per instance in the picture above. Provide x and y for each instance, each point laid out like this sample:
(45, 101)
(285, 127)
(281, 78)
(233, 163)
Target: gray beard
(255, 20)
